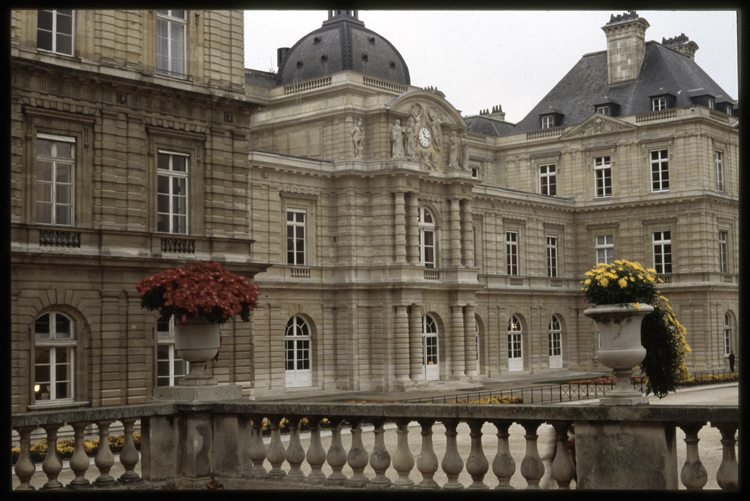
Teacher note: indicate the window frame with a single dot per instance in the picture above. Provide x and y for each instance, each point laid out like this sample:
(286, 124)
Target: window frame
(548, 179)
(294, 242)
(512, 253)
(300, 344)
(603, 176)
(552, 256)
(515, 338)
(659, 170)
(664, 267)
(52, 345)
(727, 333)
(719, 163)
(54, 183)
(172, 175)
(723, 251)
(55, 32)
(659, 103)
(172, 22)
(172, 361)
(425, 229)
(603, 110)
(555, 337)
(608, 244)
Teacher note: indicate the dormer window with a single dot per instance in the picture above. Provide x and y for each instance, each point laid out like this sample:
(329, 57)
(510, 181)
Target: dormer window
(607, 107)
(603, 110)
(712, 103)
(548, 122)
(706, 100)
(729, 109)
(658, 103)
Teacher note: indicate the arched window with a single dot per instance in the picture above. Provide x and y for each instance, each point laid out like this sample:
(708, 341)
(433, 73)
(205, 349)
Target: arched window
(297, 340)
(430, 348)
(54, 358)
(427, 254)
(515, 344)
(169, 367)
(727, 333)
(555, 343)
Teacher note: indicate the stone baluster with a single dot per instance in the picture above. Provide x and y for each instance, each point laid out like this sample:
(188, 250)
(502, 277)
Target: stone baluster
(693, 473)
(79, 461)
(295, 453)
(357, 457)
(380, 460)
(503, 465)
(257, 452)
(129, 455)
(416, 367)
(275, 453)
(400, 227)
(563, 468)
(25, 467)
(727, 475)
(104, 459)
(532, 467)
(427, 461)
(477, 464)
(52, 466)
(403, 460)
(316, 455)
(336, 456)
(452, 463)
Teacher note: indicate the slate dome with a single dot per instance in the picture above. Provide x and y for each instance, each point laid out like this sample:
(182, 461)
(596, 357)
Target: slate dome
(342, 43)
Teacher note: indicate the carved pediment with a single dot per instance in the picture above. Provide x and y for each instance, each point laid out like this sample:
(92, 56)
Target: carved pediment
(597, 124)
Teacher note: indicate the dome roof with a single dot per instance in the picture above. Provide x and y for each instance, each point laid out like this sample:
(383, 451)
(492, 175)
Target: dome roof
(342, 43)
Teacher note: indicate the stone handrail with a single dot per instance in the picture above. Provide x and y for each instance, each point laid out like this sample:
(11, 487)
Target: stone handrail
(226, 439)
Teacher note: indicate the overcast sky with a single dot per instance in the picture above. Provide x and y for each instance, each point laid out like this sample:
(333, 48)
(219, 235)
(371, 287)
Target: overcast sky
(480, 59)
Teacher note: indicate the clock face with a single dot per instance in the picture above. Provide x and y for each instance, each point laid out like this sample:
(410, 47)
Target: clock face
(424, 137)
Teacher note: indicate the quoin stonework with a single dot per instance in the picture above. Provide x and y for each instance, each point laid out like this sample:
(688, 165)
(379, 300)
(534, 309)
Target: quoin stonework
(397, 243)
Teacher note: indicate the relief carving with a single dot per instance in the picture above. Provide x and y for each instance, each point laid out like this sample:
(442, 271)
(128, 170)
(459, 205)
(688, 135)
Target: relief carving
(358, 139)
(600, 126)
(397, 141)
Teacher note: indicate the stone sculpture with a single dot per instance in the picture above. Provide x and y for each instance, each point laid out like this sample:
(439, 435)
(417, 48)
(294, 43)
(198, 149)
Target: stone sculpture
(397, 140)
(358, 139)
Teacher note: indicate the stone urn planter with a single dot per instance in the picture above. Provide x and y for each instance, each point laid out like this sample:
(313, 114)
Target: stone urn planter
(197, 342)
(620, 347)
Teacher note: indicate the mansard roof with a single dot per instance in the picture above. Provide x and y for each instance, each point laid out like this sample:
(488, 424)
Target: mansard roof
(664, 71)
(488, 126)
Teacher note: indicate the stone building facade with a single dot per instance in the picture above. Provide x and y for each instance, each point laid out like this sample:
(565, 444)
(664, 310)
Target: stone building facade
(431, 258)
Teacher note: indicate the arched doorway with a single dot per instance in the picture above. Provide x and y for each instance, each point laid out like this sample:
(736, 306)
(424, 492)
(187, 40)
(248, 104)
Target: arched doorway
(430, 367)
(297, 340)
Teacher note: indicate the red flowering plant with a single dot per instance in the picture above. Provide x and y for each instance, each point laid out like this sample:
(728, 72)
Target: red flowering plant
(202, 290)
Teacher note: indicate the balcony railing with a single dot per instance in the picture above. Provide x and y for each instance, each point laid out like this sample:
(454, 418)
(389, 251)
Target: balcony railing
(226, 439)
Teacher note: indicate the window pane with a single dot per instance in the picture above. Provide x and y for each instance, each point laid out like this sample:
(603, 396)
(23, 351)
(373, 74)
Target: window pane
(44, 20)
(162, 203)
(62, 390)
(162, 161)
(163, 184)
(162, 223)
(41, 327)
(43, 171)
(179, 163)
(62, 326)
(41, 357)
(64, 44)
(44, 147)
(178, 185)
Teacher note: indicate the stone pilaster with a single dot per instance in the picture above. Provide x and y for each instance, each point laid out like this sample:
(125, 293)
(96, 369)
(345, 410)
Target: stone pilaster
(412, 229)
(457, 342)
(467, 235)
(415, 343)
(401, 355)
(470, 341)
(455, 234)
(399, 226)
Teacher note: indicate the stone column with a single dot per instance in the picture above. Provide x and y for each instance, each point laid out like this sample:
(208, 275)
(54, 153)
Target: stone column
(467, 235)
(415, 343)
(399, 227)
(455, 234)
(401, 365)
(457, 341)
(470, 341)
(412, 229)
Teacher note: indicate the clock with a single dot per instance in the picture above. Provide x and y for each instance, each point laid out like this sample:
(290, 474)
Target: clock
(424, 137)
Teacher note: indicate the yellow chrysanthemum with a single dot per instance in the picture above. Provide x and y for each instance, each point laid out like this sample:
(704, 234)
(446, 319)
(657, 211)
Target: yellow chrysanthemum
(587, 281)
(604, 282)
(651, 270)
(637, 306)
(623, 282)
(632, 278)
(650, 278)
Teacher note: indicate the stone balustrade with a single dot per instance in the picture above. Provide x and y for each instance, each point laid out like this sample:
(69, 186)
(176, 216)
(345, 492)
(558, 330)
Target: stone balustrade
(188, 443)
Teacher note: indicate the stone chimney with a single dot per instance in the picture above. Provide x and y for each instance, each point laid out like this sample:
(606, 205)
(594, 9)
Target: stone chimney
(497, 112)
(681, 44)
(626, 46)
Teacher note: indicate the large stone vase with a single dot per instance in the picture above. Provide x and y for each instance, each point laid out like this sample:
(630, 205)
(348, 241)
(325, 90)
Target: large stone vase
(198, 343)
(620, 348)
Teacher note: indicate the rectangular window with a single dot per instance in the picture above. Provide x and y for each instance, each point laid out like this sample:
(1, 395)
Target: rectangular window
(605, 249)
(548, 122)
(603, 175)
(660, 170)
(171, 26)
(662, 241)
(552, 256)
(295, 237)
(511, 250)
(555, 344)
(172, 193)
(170, 368)
(547, 180)
(727, 334)
(723, 256)
(711, 103)
(54, 31)
(54, 171)
(658, 103)
(603, 110)
(514, 346)
(719, 161)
